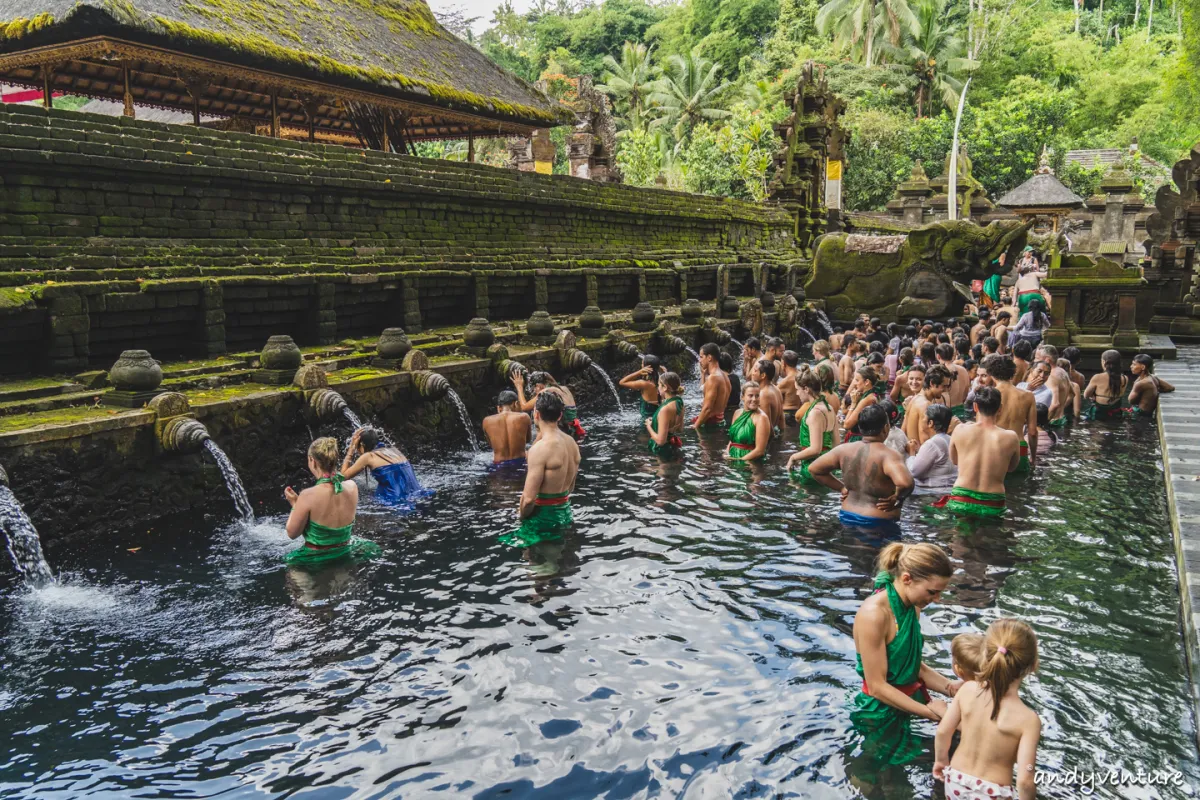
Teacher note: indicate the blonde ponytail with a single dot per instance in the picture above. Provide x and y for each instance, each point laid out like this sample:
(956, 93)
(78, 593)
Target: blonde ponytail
(324, 453)
(921, 561)
(1009, 653)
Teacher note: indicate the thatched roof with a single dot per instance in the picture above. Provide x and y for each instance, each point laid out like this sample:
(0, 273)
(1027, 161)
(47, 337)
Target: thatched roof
(394, 48)
(1043, 190)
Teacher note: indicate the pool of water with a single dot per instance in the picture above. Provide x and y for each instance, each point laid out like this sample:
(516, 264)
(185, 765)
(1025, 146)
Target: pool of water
(690, 638)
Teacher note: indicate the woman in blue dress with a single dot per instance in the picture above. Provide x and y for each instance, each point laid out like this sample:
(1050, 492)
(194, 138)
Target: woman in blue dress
(396, 483)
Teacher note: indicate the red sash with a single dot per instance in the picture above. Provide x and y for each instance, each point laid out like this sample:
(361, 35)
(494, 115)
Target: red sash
(970, 501)
(552, 501)
(740, 446)
(1027, 291)
(910, 689)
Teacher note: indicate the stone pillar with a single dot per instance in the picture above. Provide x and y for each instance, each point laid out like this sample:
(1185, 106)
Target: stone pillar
(593, 288)
(1126, 335)
(681, 280)
(580, 154)
(69, 325)
(411, 303)
(543, 152)
(324, 313)
(483, 301)
(641, 285)
(212, 318)
(1060, 301)
(541, 292)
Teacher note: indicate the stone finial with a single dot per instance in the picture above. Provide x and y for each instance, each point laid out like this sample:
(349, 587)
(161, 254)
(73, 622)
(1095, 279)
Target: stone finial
(1044, 162)
(310, 377)
(691, 310)
(479, 334)
(918, 173)
(393, 344)
(280, 352)
(135, 371)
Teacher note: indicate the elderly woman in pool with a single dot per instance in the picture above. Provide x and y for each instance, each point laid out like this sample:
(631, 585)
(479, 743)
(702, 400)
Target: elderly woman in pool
(887, 636)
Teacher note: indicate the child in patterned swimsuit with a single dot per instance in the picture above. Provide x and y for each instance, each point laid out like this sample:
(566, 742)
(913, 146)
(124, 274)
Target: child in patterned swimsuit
(998, 729)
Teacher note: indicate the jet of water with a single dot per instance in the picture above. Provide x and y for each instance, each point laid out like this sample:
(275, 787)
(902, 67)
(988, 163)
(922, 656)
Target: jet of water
(825, 323)
(693, 354)
(607, 380)
(232, 482)
(23, 543)
(464, 418)
(808, 333)
(352, 418)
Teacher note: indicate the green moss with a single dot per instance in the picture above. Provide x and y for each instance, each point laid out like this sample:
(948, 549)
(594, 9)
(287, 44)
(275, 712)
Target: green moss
(61, 416)
(26, 384)
(204, 396)
(21, 27)
(15, 297)
(358, 374)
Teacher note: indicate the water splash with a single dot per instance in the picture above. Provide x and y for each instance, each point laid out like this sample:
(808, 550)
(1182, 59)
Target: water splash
(352, 418)
(737, 364)
(823, 318)
(232, 482)
(612, 387)
(465, 418)
(23, 543)
(693, 354)
(809, 334)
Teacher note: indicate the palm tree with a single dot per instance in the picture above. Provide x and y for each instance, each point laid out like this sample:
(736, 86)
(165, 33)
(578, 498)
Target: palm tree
(688, 93)
(630, 82)
(938, 56)
(859, 22)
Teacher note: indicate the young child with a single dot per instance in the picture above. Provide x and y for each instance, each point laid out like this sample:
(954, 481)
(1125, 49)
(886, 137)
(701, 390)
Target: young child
(1047, 438)
(998, 729)
(964, 655)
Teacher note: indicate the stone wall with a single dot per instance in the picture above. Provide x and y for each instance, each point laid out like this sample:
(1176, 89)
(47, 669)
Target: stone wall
(117, 234)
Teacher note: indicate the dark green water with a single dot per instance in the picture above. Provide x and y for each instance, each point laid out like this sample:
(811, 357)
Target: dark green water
(691, 638)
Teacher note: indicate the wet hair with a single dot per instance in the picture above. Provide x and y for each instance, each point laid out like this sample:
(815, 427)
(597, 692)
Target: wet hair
(1110, 362)
(1043, 415)
(1003, 315)
(969, 364)
(1037, 312)
(943, 338)
(544, 378)
(938, 327)
(549, 406)
(774, 341)
(866, 373)
(810, 381)
(889, 408)
(506, 398)
(987, 400)
(1022, 350)
(791, 358)
(1049, 351)
(940, 416)
(821, 348)
(1073, 354)
(910, 332)
(929, 353)
(1009, 653)
(876, 346)
(977, 352)
(945, 352)
(937, 375)
(672, 382)
(847, 340)
(906, 356)
(1063, 364)
(921, 561)
(837, 329)
(753, 344)
(875, 358)
(324, 453)
(369, 437)
(875, 322)
(872, 420)
(965, 650)
(828, 378)
(992, 344)
(999, 367)
(1143, 359)
(767, 368)
(711, 350)
(985, 314)
(748, 385)
(724, 360)
(893, 329)
(860, 325)
(962, 345)
(655, 365)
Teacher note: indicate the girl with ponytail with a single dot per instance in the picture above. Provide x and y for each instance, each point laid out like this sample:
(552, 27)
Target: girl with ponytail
(1107, 388)
(887, 636)
(998, 730)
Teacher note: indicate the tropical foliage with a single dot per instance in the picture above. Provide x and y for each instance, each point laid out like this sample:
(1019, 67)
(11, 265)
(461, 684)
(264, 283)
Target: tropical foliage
(696, 85)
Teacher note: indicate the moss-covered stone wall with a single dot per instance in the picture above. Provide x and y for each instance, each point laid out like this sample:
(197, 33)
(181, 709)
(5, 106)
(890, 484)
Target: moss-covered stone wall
(117, 234)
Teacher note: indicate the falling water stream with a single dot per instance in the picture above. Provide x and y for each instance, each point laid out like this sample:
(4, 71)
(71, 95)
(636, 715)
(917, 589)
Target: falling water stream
(232, 482)
(825, 323)
(465, 418)
(23, 543)
(352, 418)
(693, 354)
(612, 388)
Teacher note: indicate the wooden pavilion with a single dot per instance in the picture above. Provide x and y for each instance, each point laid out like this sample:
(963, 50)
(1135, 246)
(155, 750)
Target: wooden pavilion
(380, 72)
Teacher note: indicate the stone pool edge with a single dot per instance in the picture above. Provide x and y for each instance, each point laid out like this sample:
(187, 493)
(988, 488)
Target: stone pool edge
(1185, 527)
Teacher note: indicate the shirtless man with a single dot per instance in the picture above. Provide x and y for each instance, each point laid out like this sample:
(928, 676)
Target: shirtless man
(787, 386)
(1059, 382)
(1022, 356)
(835, 340)
(1147, 386)
(1027, 287)
(937, 380)
(1000, 330)
(846, 365)
(770, 399)
(960, 382)
(1018, 411)
(716, 388)
(908, 385)
(985, 453)
(990, 345)
(875, 481)
(507, 430)
(751, 352)
(1074, 355)
(774, 352)
(545, 508)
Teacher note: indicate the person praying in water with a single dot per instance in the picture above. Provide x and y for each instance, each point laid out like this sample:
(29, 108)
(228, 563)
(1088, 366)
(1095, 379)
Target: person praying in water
(645, 382)
(324, 513)
(507, 431)
(545, 508)
(667, 422)
(395, 481)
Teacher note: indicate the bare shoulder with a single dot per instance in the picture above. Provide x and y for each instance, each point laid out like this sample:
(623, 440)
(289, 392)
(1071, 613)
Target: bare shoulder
(874, 612)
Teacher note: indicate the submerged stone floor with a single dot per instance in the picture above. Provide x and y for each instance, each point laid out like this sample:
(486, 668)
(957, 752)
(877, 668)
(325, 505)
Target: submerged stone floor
(1179, 429)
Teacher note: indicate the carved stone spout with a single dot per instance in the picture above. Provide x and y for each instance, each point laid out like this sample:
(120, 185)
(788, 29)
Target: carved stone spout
(576, 359)
(430, 385)
(326, 404)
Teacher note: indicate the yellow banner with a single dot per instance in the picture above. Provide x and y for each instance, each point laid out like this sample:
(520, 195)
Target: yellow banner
(833, 171)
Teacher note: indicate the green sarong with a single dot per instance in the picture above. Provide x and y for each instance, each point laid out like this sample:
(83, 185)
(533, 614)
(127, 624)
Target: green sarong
(1061, 422)
(960, 412)
(973, 503)
(674, 445)
(742, 436)
(647, 410)
(802, 474)
(1023, 465)
(551, 516)
(991, 287)
(1024, 299)
(886, 731)
(323, 544)
(1104, 411)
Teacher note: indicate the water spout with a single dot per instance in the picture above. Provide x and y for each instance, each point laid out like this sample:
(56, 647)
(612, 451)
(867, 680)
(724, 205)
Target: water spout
(808, 333)
(352, 418)
(464, 417)
(22, 539)
(825, 323)
(232, 482)
(627, 350)
(183, 435)
(692, 353)
(326, 403)
(430, 385)
(612, 388)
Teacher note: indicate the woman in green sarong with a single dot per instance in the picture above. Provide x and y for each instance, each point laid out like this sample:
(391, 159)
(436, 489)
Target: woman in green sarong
(324, 513)
(667, 423)
(645, 382)
(750, 431)
(887, 637)
(817, 425)
(1106, 389)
